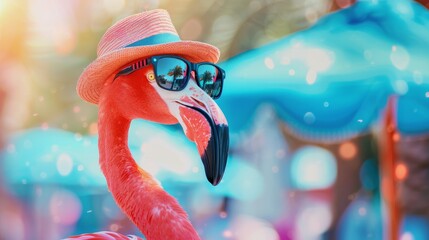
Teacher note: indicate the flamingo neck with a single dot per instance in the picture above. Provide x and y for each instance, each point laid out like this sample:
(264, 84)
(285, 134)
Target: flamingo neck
(157, 214)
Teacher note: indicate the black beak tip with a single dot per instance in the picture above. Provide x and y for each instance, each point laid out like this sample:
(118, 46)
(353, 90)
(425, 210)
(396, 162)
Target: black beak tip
(214, 181)
(216, 154)
(214, 168)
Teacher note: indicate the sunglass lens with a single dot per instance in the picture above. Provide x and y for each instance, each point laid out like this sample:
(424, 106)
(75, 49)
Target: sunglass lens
(171, 73)
(209, 79)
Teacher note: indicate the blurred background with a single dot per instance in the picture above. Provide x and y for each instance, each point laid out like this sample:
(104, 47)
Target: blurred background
(327, 102)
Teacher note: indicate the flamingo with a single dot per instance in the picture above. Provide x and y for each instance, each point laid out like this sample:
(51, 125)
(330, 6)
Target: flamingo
(157, 214)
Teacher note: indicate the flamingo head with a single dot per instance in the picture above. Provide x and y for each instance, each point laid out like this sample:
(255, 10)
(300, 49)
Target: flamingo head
(139, 96)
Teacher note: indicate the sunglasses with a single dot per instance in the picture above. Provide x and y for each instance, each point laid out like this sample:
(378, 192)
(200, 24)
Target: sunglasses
(173, 73)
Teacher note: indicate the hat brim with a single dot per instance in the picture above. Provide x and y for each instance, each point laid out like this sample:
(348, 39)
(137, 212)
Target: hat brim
(102, 71)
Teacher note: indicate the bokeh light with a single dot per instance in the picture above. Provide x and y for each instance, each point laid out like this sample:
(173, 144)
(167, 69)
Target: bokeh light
(65, 207)
(313, 168)
(269, 63)
(113, 7)
(407, 236)
(414, 227)
(204, 203)
(192, 29)
(401, 171)
(175, 158)
(241, 181)
(251, 228)
(110, 209)
(399, 57)
(313, 220)
(64, 164)
(347, 150)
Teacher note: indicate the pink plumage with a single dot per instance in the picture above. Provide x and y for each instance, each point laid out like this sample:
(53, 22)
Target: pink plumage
(156, 213)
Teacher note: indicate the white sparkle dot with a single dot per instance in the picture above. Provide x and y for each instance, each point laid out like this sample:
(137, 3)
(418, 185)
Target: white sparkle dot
(400, 87)
(311, 77)
(227, 233)
(269, 63)
(309, 118)
(399, 57)
(407, 236)
(10, 148)
(362, 211)
(275, 169)
(64, 164)
(54, 148)
(80, 167)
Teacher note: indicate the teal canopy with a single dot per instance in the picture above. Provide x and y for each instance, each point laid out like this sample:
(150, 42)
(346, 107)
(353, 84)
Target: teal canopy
(333, 80)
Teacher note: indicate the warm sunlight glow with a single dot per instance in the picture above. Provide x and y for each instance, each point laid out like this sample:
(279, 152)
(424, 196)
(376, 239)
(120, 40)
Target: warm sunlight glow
(113, 6)
(64, 40)
(2, 4)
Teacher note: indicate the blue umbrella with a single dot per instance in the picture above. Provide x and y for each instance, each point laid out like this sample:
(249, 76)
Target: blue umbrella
(55, 156)
(331, 80)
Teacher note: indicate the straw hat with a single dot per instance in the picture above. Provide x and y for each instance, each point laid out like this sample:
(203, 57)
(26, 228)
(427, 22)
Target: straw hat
(138, 36)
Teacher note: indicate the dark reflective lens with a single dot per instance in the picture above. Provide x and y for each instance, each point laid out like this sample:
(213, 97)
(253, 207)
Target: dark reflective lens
(171, 73)
(209, 79)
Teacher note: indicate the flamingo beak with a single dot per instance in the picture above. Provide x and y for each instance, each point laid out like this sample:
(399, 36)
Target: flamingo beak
(204, 123)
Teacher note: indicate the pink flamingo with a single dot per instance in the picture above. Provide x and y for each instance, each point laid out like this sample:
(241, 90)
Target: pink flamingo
(135, 93)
